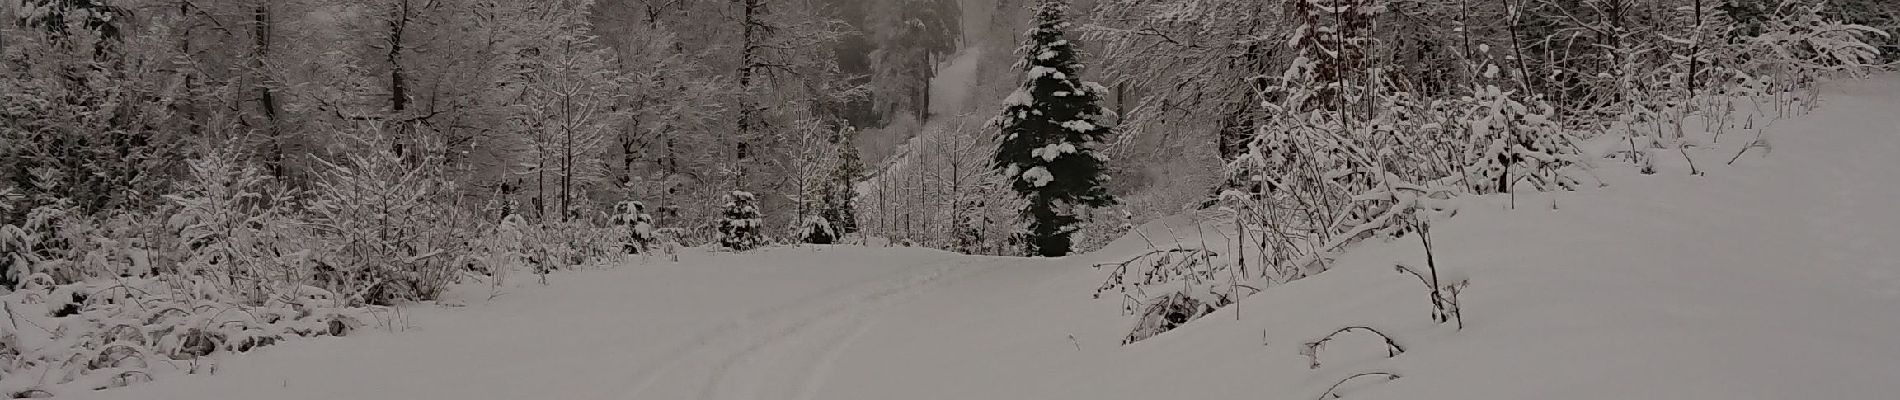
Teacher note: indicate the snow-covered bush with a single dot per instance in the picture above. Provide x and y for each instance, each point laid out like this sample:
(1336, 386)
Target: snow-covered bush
(67, 247)
(1171, 284)
(106, 333)
(1799, 45)
(112, 299)
(669, 239)
(38, 246)
(740, 225)
(1347, 152)
(815, 230)
(1512, 142)
(584, 242)
(1878, 14)
(631, 217)
(505, 249)
(548, 247)
(1167, 312)
(383, 237)
(972, 230)
(238, 229)
(1315, 178)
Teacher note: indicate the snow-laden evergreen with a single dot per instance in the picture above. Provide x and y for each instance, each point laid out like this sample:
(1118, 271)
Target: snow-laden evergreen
(1051, 128)
(840, 198)
(740, 227)
(815, 230)
(1762, 279)
(631, 216)
(181, 182)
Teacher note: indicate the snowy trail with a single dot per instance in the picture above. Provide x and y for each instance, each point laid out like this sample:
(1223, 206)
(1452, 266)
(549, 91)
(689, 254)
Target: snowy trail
(784, 349)
(1774, 278)
(749, 326)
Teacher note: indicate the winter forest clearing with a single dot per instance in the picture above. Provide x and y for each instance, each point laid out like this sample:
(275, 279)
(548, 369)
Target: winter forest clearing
(923, 199)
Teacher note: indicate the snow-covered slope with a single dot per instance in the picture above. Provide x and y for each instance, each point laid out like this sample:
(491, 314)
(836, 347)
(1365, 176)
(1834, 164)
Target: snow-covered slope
(1775, 278)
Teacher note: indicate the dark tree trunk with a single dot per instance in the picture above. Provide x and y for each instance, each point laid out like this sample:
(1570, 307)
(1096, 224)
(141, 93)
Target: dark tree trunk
(267, 101)
(398, 85)
(749, 61)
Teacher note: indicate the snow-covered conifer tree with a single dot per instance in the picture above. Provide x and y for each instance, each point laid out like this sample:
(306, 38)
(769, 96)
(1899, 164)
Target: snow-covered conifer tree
(1050, 128)
(816, 230)
(740, 223)
(631, 216)
(839, 197)
(967, 228)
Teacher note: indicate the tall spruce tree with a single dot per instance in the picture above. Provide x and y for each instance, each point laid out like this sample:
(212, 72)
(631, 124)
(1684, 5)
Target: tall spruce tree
(840, 194)
(1050, 128)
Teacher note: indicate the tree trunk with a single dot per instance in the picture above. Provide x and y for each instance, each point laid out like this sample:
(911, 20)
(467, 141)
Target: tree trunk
(398, 87)
(567, 143)
(267, 101)
(748, 60)
(627, 158)
(540, 182)
(186, 109)
(1695, 50)
(1517, 51)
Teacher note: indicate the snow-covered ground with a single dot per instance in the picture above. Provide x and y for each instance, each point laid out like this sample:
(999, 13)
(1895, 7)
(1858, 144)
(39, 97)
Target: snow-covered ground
(1775, 278)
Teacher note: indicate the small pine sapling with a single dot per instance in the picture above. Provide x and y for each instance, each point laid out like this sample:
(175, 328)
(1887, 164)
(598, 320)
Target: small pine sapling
(968, 230)
(740, 223)
(631, 217)
(815, 230)
(670, 241)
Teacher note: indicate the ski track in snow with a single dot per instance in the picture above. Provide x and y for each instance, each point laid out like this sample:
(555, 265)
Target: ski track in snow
(822, 371)
(710, 337)
(754, 352)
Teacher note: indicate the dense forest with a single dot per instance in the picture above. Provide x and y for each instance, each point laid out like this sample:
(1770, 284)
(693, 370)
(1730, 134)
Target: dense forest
(376, 151)
(412, 129)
